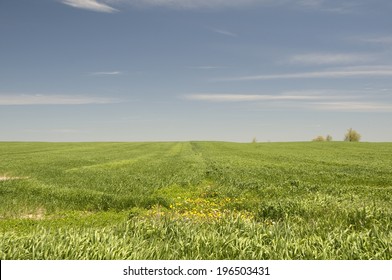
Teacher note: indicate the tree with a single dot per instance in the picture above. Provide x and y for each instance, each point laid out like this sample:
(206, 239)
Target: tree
(319, 139)
(352, 136)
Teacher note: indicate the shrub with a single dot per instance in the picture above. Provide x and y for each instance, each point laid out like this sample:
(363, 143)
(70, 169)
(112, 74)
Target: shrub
(319, 139)
(328, 138)
(352, 136)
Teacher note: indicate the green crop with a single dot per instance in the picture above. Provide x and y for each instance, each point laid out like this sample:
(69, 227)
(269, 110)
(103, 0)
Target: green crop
(196, 200)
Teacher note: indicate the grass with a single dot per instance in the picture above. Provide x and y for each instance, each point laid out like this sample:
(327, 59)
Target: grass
(196, 200)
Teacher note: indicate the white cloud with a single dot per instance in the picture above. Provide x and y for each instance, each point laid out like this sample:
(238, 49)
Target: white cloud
(339, 7)
(319, 100)
(249, 97)
(206, 67)
(328, 59)
(92, 5)
(112, 73)
(352, 106)
(361, 71)
(40, 99)
(342, 6)
(194, 4)
(224, 32)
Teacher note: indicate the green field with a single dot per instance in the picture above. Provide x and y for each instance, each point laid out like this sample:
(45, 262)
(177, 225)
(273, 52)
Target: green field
(196, 200)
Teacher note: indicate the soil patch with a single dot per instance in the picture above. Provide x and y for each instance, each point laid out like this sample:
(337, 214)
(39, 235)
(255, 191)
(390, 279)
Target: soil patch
(38, 214)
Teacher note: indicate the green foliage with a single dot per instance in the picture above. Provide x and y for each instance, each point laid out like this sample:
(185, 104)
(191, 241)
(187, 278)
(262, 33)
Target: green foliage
(352, 136)
(195, 200)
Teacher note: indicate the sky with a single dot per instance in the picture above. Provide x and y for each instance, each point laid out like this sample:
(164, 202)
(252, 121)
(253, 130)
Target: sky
(180, 70)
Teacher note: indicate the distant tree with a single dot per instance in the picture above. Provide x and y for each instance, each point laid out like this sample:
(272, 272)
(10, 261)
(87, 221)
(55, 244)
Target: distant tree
(319, 139)
(352, 136)
(328, 138)
(254, 140)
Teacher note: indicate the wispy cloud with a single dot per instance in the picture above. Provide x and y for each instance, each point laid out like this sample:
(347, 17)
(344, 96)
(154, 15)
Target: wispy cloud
(195, 4)
(41, 99)
(360, 71)
(249, 97)
(375, 39)
(352, 106)
(110, 73)
(335, 6)
(224, 32)
(320, 100)
(330, 59)
(330, 6)
(92, 5)
(206, 67)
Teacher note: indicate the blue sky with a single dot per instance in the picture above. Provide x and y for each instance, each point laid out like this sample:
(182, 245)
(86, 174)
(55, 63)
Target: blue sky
(174, 70)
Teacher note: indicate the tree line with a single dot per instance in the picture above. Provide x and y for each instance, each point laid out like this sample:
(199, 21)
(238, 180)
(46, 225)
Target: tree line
(350, 136)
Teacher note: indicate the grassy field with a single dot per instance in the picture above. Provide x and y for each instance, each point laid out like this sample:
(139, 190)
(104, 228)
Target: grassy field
(196, 200)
